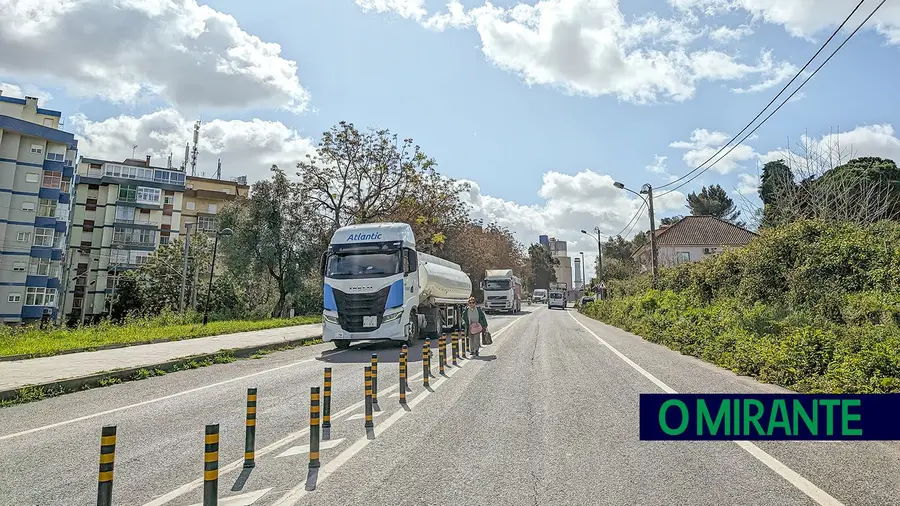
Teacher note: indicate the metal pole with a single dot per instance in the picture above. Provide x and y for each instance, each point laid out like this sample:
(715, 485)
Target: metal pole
(84, 299)
(187, 243)
(212, 266)
(583, 274)
(653, 255)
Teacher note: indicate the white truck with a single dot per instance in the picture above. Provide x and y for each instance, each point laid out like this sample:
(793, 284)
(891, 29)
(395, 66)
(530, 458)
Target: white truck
(377, 286)
(502, 291)
(539, 295)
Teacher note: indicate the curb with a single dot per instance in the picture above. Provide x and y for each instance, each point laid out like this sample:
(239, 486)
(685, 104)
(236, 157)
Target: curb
(72, 385)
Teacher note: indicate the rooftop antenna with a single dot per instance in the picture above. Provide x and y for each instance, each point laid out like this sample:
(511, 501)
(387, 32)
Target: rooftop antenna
(169, 163)
(187, 150)
(219, 169)
(194, 150)
(133, 149)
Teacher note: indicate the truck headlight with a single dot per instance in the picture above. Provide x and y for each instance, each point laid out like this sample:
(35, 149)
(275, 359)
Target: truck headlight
(392, 317)
(329, 318)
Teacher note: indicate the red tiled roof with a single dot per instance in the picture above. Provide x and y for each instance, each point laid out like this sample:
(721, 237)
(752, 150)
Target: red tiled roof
(702, 231)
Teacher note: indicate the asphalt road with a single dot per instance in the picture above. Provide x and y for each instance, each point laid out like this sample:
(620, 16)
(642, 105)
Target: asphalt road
(546, 415)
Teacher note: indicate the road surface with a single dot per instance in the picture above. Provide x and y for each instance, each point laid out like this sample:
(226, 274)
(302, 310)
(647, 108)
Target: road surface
(547, 415)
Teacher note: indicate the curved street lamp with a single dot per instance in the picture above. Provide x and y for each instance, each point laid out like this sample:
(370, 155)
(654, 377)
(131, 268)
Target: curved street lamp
(599, 253)
(647, 189)
(225, 232)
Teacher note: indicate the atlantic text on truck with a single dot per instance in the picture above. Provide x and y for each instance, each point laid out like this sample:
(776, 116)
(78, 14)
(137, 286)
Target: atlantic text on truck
(377, 286)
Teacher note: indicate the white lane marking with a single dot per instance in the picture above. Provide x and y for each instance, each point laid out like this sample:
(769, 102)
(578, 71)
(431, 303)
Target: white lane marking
(359, 416)
(295, 494)
(304, 449)
(152, 401)
(237, 464)
(243, 499)
(802, 484)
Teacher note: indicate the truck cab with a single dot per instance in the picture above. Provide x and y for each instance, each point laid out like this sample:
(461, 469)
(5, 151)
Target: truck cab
(502, 291)
(539, 295)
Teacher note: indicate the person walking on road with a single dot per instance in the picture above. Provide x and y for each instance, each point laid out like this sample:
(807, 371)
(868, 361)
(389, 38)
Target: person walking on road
(475, 323)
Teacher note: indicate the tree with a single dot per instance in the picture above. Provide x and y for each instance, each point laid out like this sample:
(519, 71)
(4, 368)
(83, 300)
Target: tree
(713, 201)
(541, 267)
(273, 236)
(357, 177)
(670, 220)
(617, 249)
(161, 275)
(477, 247)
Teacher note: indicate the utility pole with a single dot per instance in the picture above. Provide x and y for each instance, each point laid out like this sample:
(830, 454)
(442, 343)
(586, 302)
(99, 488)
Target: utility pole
(599, 255)
(184, 274)
(84, 300)
(653, 255)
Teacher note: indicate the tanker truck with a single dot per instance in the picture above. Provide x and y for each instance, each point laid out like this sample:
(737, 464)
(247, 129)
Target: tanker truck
(378, 287)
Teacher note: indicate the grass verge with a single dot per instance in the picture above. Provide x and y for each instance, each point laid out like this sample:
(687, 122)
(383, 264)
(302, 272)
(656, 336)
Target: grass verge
(31, 342)
(37, 393)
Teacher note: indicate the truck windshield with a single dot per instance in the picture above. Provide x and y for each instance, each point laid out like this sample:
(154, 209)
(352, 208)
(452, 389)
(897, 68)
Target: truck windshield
(555, 295)
(496, 284)
(363, 264)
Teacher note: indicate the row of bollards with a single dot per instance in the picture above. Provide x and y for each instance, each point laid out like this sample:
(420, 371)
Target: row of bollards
(319, 418)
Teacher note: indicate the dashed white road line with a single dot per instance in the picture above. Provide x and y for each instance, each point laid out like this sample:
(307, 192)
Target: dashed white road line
(299, 491)
(802, 484)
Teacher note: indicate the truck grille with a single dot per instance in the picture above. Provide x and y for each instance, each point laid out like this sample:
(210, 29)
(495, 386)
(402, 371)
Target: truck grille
(351, 308)
(496, 297)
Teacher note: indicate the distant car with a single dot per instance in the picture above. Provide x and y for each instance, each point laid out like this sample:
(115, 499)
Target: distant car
(586, 300)
(556, 299)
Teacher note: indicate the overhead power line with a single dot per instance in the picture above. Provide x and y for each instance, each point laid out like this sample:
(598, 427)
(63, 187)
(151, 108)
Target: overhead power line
(783, 89)
(786, 100)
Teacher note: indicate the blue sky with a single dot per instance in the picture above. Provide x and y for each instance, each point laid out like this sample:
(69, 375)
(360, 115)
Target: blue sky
(542, 156)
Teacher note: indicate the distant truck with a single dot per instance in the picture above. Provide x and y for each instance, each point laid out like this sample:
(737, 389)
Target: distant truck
(539, 295)
(502, 291)
(377, 286)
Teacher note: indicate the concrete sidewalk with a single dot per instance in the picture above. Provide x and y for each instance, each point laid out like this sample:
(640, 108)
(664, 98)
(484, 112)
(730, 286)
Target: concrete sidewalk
(49, 370)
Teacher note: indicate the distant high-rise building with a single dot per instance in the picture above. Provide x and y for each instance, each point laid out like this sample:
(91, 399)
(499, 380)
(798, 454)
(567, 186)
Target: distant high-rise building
(558, 250)
(37, 166)
(576, 273)
(544, 240)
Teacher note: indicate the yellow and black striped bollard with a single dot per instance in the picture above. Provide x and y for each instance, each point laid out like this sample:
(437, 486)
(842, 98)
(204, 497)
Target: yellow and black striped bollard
(313, 427)
(468, 339)
(326, 400)
(107, 460)
(374, 364)
(211, 466)
(250, 439)
(426, 367)
(454, 349)
(403, 375)
(462, 346)
(368, 384)
(442, 354)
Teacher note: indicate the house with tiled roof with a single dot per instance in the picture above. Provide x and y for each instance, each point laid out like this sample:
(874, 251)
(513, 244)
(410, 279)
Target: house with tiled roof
(692, 239)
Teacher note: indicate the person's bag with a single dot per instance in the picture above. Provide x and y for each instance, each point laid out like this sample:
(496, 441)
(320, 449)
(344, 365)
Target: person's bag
(486, 339)
(475, 328)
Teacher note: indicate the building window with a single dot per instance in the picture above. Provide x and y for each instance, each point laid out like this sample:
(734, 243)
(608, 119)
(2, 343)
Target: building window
(682, 257)
(90, 204)
(136, 236)
(47, 208)
(56, 157)
(51, 180)
(169, 200)
(143, 218)
(28, 206)
(206, 223)
(59, 240)
(48, 122)
(148, 195)
(14, 297)
(212, 208)
(125, 214)
(20, 266)
(32, 177)
(88, 226)
(128, 193)
(43, 236)
(40, 296)
(39, 267)
(93, 187)
(164, 240)
(190, 205)
(23, 236)
(37, 149)
(65, 185)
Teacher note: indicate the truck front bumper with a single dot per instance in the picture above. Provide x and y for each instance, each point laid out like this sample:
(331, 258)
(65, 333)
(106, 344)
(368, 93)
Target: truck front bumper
(393, 330)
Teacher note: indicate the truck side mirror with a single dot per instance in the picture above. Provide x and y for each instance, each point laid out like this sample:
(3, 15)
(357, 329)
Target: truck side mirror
(323, 263)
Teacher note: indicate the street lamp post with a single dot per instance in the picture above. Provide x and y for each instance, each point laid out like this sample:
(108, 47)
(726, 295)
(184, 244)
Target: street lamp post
(223, 233)
(599, 252)
(647, 189)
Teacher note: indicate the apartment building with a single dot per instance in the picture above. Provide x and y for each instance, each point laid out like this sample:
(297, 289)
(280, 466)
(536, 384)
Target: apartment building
(36, 171)
(123, 212)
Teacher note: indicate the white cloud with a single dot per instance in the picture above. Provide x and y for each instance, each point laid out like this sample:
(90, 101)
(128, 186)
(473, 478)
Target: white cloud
(409, 9)
(245, 147)
(869, 140)
(780, 73)
(748, 184)
(570, 204)
(658, 166)
(588, 47)
(704, 143)
(727, 34)
(16, 91)
(123, 50)
(805, 18)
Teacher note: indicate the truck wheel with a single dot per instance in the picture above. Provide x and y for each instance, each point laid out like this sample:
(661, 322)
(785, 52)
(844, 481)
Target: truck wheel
(341, 344)
(413, 329)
